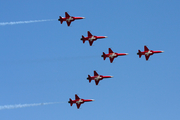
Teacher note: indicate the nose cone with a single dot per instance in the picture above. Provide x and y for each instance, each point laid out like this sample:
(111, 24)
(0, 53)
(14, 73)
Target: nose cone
(105, 36)
(162, 51)
(112, 76)
(83, 17)
(92, 99)
(126, 53)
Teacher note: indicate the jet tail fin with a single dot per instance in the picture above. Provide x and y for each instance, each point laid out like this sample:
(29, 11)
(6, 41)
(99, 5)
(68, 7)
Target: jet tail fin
(60, 19)
(83, 39)
(104, 56)
(139, 53)
(89, 78)
(70, 101)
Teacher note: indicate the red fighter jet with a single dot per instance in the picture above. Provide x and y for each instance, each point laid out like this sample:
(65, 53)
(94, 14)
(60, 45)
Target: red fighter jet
(78, 101)
(69, 18)
(97, 77)
(112, 55)
(147, 52)
(91, 38)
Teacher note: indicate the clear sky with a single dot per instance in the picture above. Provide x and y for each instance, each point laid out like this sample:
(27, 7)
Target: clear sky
(47, 61)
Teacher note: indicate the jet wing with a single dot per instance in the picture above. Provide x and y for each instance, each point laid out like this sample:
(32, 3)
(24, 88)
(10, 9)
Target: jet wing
(67, 15)
(110, 51)
(78, 105)
(90, 43)
(76, 97)
(68, 23)
(147, 57)
(97, 82)
(95, 73)
(111, 59)
(145, 48)
(89, 34)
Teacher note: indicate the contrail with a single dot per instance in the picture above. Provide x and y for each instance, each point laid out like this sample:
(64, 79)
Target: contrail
(24, 22)
(25, 105)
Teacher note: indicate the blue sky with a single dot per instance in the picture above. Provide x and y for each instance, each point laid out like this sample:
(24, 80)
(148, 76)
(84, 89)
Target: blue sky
(47, 61)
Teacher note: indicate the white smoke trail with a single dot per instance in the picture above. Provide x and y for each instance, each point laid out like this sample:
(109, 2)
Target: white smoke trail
(25, 105)
(24, 22)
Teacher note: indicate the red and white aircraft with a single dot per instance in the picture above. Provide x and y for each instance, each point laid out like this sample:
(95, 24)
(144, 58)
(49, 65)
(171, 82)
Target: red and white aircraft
(112, 55)
(97, 77)
(91, 38)
(69, 18)
(78, 101)
(147, 52)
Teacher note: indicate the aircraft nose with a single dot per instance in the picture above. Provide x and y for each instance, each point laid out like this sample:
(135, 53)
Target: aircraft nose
(126, 53)
(112, 76)
(105, 36)
(162, 51)
(83, 17)
(92, 99)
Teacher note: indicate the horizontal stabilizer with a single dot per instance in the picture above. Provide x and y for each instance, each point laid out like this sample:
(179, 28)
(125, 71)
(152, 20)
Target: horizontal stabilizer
(83, 39)
(89, 78)
(104, 56)
(60, 19)
(139, 53)
(70, 101)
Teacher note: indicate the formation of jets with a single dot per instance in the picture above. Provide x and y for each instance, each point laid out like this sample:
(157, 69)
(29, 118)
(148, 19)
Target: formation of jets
(91, 38)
